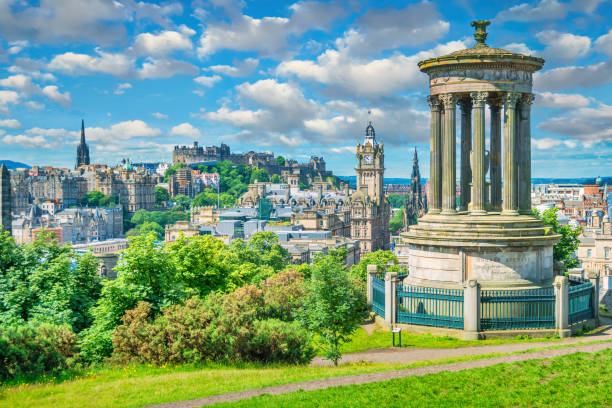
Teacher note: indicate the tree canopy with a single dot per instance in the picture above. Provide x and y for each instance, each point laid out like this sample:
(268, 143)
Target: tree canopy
(565, 249)
(98, 199)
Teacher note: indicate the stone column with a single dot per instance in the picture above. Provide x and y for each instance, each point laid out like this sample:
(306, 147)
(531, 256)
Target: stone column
(593, 277)
(561, 286)
(449, 190)
(479, 204)
(466, 146)
(390, 297)
(496, 155)
(372, 270)
(510, 167)
(435, 159)
(524, 176)
(471, 310)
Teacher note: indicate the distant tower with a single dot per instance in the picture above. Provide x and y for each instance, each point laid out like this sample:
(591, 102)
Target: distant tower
(414, 203)
(5, 199)
(82, 149)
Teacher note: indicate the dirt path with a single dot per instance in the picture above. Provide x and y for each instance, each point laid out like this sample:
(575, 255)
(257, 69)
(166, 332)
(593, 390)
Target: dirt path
(412, 354)
(387, 375)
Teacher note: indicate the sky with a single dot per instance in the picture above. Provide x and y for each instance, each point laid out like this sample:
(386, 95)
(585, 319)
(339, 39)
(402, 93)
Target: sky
(295, 78)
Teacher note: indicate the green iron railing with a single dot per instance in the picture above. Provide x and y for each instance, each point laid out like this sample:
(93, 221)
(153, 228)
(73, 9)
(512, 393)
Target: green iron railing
(429, 306)
(378, 296)
(580, 301)
(517, 309)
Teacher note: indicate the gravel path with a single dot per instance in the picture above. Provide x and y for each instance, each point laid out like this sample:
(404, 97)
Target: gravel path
(390, 355)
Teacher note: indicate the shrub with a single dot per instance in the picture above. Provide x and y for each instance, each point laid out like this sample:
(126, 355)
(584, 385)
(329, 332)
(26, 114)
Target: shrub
(275, 341)
(283, 294)
(31, 351)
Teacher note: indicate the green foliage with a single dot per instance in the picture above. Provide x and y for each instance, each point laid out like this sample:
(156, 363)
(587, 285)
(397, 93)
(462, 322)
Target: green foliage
(97, 199)
(396, 200)
(29, 351)
(172, 170)
(162, 218)
(379, 258)
(145, 228)
(45, 283)
(181, 202)
(161, 195)
(397, 222)
(275, 178)
(303, 186)
(280, 160)
(259, 175)
(566, 248)
(334, 306)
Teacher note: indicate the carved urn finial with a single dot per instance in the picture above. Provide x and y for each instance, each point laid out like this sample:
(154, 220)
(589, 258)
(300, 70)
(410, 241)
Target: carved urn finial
(481, 31)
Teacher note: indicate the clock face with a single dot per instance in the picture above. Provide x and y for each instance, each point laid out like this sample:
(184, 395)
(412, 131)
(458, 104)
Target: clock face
(368, 159)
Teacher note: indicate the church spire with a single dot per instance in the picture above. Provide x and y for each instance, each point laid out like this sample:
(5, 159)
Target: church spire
(82, 149)
(82, 131)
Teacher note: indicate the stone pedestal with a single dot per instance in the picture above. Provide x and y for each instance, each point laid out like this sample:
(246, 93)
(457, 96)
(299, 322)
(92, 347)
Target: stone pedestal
(561, 286)
(390, 298)
(471, 310)
(371, 270)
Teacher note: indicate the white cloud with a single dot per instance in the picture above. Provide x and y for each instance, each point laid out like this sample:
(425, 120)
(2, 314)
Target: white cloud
(120, 89)
(21, 82)
(563, 47)
(29, 142)
(589, 125)
(267, 35)
(17, 46)
(546, 10)
(159, 115)
(207, 81)
(343, 149)
(242, 69)
(548, 143)
(52, 92)
(573, 77)
(165, 68)
(123, 131)
(185, 129)
(366, 78)
(83, 64)
(33, 105)
(604, 44)
(560, 100)
(7, 98)
(10, 123)
(520, 48)
(163, 43)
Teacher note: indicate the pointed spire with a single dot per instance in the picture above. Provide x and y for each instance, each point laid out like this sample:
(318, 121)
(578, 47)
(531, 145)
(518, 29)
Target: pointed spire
(82, 131)
(416, 159)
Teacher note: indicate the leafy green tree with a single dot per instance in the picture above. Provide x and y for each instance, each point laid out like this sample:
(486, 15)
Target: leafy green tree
(92, 199)
(397, 222)
(181, 202)
(275, 178)
(565, 250)
(396, 200)
(334, 306)
(380, 258)
(259, 175)
(172, 170)
(280, 160)
(205, 198)
(303, 186)
(108, 201)
(161, 195)
(271, 253)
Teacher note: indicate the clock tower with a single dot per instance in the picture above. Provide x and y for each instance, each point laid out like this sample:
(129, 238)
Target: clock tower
(370, 208)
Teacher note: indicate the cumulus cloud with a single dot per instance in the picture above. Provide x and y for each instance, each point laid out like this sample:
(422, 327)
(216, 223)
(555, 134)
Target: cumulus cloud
(123, 131)
(548, 143)
(52, 92)
(33, 105)
(560, 100)
(241, 69)
(24, 84)
(165, 68)
(366, 78)
(185, 129)
(159, 115)
(10, 123)
(573, 77)
(7, 98)
(267, 35)
(120, 89)
(604, 44)
(588, 125)
(207, 81)
(84, 64)
(546, 10)
(520, 48)
(164, 42)
(563, 47)
(29, 142)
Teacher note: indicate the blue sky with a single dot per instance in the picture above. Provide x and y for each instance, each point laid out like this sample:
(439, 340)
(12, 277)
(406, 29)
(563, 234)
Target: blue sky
(296, 78)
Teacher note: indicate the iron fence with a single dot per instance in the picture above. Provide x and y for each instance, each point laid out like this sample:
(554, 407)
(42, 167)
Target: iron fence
(378, 296)
(580, 301)
(517, 309)
(429, 306)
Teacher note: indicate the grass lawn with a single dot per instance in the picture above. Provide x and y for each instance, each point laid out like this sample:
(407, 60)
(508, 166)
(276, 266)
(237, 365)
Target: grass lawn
(576, 380)
(138, 385)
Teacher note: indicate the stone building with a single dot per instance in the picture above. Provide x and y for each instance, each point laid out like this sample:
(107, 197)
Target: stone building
(595, 253)
(370, 209)
(5, 199)
(82, 158)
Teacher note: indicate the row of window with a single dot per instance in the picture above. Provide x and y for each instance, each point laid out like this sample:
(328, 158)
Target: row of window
(606, 253)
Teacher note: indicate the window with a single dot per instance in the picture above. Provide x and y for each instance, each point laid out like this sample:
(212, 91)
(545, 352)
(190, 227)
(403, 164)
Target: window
(606, 253)
(588, 253)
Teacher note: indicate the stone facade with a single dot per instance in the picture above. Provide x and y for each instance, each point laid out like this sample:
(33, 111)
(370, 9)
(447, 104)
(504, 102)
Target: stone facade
(82, 158)
(370, 209)
(5, 199)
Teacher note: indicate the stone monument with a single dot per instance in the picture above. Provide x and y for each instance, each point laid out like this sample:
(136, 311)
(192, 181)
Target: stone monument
(492, 236)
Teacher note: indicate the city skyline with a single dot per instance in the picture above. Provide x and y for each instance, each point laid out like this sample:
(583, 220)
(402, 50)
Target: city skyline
(297, 78)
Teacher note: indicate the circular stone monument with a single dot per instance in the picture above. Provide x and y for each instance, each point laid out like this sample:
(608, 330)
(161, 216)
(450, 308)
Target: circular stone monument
(490, 234)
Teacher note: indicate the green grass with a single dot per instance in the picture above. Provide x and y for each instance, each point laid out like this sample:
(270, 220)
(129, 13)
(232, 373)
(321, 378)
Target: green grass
(579, 379)
(138, 385)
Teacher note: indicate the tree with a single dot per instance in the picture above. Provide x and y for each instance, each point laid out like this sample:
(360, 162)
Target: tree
(172, 170)
(280, 160)
(396, 200)
(334, 306)
(275, 178)
(108, 201)
(161, 195)
(92, 199)
(568, 244)
(182, 202)
(259, 175)
(379, 258)
(397, 222)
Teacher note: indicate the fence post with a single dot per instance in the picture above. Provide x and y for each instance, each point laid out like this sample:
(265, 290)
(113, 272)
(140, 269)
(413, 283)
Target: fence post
(471, 310)
(561, 285)
(594, 278)
(372, 270)
(390, 296)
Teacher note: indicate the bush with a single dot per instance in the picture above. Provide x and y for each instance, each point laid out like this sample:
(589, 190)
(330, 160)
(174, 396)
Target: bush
(31, 351)
(275, 341)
